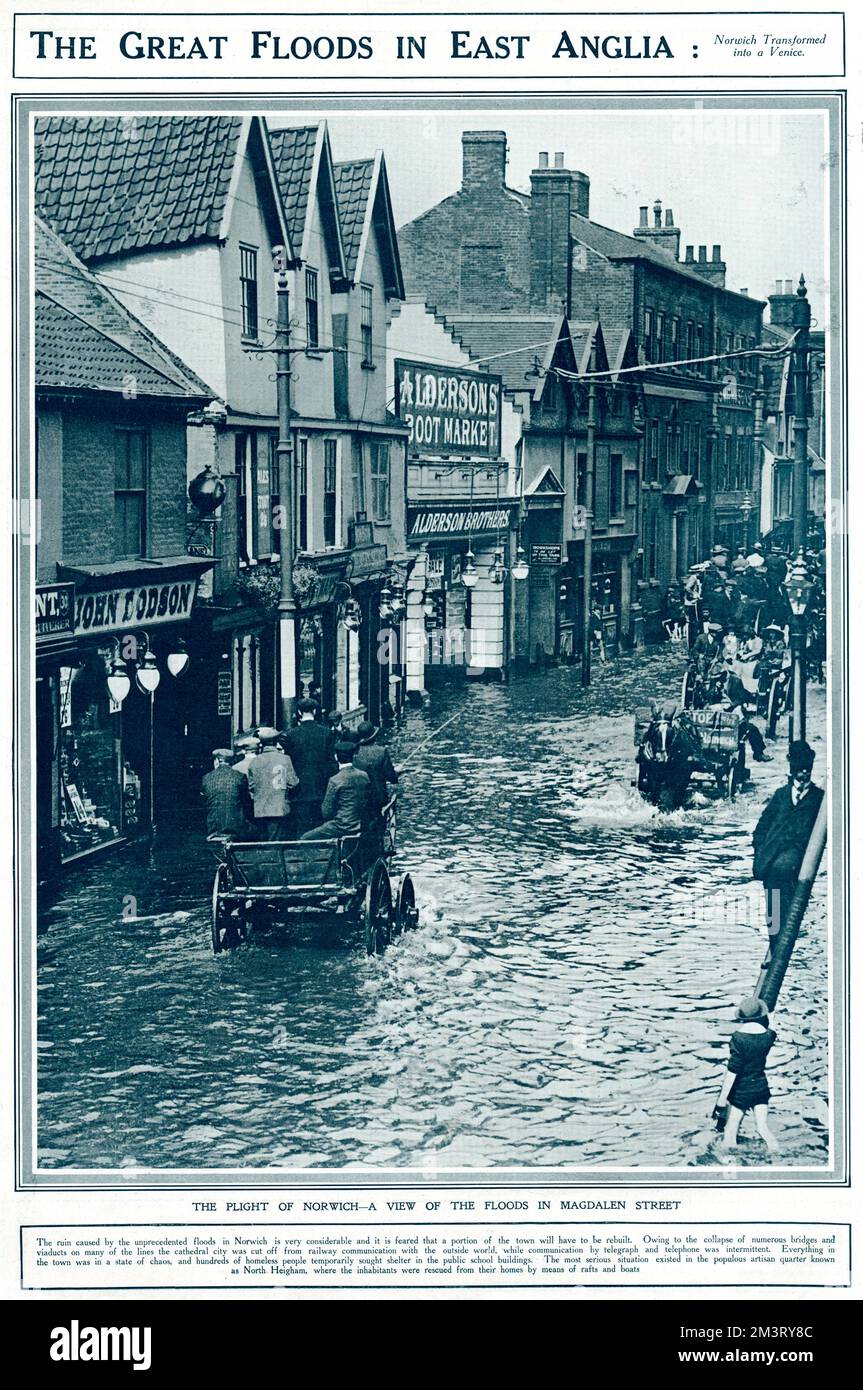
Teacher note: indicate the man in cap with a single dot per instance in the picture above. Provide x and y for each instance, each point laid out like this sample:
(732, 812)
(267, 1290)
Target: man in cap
(271, 779)
(345, 804)
(310, 748)
(782, 834)
(248, 748)
(375, 760)
(225, 794)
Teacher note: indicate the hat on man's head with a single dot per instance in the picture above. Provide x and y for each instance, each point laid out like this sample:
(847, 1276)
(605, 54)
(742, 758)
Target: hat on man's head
(366, 731)
(226, 754)
(266, 734)
(800, 756)
(752, 1010)
(755, 561)
(720, 549)
(307, 706)
(245, 742)
(346, 746)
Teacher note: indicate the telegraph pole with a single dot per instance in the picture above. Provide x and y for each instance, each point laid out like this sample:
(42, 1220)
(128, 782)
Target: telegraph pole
(801, 319)
(284, 455)
(590, 474)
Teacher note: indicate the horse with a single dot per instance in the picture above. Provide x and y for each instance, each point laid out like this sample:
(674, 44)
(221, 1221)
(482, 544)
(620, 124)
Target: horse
(666, 758)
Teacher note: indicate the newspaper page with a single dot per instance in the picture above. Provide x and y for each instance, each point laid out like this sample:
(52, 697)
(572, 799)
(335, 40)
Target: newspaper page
(431, 655)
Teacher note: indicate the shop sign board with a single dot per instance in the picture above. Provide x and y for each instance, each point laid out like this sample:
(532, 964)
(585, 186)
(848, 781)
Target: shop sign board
(546, 554)
(112, 610)
(435, 522)
(55, 611)
(448, 410)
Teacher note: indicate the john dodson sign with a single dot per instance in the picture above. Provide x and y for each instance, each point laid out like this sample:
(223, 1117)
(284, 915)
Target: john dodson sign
(115, 609)
(448, 411)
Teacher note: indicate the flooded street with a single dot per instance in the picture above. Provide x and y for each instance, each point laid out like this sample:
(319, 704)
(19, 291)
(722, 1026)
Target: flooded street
(565, 1003)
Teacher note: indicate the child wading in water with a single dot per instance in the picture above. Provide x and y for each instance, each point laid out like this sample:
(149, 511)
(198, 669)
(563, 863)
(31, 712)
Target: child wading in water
(745, 1084)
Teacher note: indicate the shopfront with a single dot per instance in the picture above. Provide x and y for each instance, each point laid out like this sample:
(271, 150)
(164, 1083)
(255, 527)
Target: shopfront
(114, 706)
(458, 593)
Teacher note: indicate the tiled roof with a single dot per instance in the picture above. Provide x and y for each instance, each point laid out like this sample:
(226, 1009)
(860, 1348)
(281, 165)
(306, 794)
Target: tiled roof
(87, 341)
(353, 186)
(520, 339)
(293, 157)
(112, 185)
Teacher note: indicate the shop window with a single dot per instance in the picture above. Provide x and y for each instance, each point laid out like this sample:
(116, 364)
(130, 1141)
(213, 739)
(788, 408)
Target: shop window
(381, 481)
(330, 491)
(358, 477)
(249, 290)
(301, 492)
(615, 485)
(312, 323)
(366, 326)
(93, 781)
(131, 465)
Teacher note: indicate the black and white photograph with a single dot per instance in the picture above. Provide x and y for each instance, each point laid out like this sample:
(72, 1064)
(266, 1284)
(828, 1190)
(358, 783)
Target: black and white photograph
(439, 667)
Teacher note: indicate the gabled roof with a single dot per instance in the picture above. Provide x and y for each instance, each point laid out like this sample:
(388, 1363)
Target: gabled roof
(86, 340)
(545, 483)
(303, 161)
(512, 346)
(113, 186)
(363, 192)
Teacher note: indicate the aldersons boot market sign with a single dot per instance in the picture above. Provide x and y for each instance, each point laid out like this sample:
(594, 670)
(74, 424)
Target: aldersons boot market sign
(448, 410)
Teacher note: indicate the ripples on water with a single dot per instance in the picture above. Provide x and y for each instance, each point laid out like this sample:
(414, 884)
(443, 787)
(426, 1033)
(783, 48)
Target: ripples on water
(562, 1004)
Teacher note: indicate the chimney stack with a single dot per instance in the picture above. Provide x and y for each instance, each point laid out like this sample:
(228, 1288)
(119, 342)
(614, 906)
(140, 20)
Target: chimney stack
(782, 304)
(483, 158)
(552, 201)
(712, 270)
(664, 237)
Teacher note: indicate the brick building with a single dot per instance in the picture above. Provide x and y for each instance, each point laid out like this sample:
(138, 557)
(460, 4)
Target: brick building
(114, 584)
(493, 247)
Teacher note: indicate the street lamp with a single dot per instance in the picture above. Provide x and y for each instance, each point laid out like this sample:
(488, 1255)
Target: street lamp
(746, 511)
(177, 661)
(798, 587)
(520, 567)
(469, 573)
(119, 683)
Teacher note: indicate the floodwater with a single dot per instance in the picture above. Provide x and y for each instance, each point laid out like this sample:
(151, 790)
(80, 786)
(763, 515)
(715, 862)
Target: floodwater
(565, 1003)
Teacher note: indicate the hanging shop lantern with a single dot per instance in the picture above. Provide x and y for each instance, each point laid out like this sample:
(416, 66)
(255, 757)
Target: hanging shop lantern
(469, 571)
(177, 661)
(520, 569)
(147, 676)
(119, 683)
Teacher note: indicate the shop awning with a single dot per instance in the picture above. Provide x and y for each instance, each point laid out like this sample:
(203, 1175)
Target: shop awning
(122, 594)
(132, 572)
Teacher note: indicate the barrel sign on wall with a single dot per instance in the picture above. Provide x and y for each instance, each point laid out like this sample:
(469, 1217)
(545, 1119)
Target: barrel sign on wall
(449, 410)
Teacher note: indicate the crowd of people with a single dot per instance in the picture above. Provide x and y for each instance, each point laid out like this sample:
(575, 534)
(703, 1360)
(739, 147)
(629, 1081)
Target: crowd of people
(315, 781)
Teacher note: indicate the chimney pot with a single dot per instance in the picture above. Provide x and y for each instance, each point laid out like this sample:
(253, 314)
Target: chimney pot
(789, 286)
(558, 159)
(669, 217)
(744, 289)
(690, 253)
(702, 253)
(717, 253)
(657, 213)
(543, 159)
(642, 217)
(778, 289)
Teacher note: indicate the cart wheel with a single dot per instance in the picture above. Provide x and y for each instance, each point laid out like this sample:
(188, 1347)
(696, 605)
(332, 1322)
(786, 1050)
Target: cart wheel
(686, 690)
(378, 910)
(224, 930)
(407, 914)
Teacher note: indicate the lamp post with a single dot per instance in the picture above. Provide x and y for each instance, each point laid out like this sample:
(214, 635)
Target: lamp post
(800, 321)
(284, 455)
(798, 587)
(746, 512)
(147, 678)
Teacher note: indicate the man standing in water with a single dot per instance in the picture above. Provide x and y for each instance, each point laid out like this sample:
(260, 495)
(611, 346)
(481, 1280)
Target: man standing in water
(782, 834)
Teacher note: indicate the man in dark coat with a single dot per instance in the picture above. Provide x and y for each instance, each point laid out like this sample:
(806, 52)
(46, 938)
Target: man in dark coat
(310, 747)
(271, 779)
(782, 834)
(225, 794)
(345, 804)
(370, 757)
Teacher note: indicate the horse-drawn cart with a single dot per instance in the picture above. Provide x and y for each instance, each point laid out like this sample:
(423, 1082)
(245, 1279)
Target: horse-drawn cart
(673, 746)
(349, 879)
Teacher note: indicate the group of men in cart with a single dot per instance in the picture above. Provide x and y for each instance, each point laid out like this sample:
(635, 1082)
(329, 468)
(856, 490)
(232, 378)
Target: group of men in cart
(315, 781)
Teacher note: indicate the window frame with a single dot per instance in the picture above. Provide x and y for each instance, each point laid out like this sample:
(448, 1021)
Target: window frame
(249, 301)
(367, 341)
(331, 494)
(301, 493)
(313, 309)
(381, 479)
(358, 475)
(127, 432)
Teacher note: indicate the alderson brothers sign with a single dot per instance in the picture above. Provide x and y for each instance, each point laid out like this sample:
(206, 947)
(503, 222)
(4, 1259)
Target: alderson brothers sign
(448, 410)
